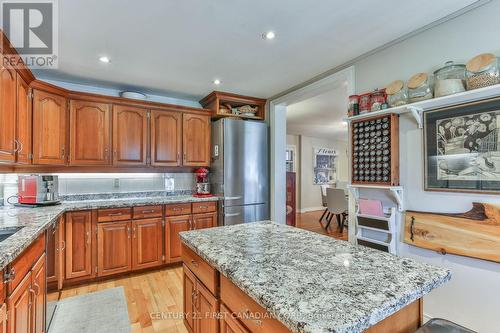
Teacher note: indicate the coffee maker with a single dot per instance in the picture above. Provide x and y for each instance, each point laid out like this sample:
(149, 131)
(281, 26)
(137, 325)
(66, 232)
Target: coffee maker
(38, 190)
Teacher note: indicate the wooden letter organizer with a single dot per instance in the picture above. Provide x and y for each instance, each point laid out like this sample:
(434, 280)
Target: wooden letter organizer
(475, 233)
(375, 151)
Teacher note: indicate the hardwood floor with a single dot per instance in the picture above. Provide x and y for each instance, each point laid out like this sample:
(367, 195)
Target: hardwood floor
(149, 295)
(159, 293)
(309, 221)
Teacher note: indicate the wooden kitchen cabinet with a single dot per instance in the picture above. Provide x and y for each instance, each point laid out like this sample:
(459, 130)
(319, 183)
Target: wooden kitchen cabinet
(166, 138)
(8, 83)
(175, 225)
(3, 318)
(196, 139)
(23, 121)
(228, 324)
(200, 306)
(147, 243)
(202, 221)
(90, 140)
(130, 135)
(50, 121)
(78, 240)
(53, 253)
(113, 248)
(39, 294)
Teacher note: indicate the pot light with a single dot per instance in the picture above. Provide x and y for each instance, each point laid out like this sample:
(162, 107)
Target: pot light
(269, 35)
(217, 82)
(105, 59)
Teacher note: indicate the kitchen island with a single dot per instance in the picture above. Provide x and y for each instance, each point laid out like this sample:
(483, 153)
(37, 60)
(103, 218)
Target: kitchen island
(267, 277)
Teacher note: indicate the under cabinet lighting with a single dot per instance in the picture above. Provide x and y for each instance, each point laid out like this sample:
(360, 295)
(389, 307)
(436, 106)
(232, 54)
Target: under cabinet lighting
(217, 82)
(105, 59)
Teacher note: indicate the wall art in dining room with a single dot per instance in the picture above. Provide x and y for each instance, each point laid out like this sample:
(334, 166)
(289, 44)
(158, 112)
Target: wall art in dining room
(324, 166)
(462, 148)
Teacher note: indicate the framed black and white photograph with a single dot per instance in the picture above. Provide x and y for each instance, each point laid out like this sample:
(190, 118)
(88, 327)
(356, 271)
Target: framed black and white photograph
(462, 148)
(324, 166)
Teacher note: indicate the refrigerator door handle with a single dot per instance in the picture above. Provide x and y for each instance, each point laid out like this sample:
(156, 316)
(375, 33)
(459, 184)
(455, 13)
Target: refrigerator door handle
(232, 214)
(233, 198)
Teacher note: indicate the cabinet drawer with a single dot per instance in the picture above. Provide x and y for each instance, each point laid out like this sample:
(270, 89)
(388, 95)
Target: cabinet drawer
(251, 314)
(114, 214)
(25, 261)
(204, 207)
(208, 275)
(144, 212)
(178, 209)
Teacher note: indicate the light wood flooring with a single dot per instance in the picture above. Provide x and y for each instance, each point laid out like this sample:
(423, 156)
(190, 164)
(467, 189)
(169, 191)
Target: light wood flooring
(160, 291)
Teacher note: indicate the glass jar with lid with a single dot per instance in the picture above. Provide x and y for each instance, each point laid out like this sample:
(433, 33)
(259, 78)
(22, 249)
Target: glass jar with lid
(482, 71)
(450, 79)
(397, 94)
(420, 87)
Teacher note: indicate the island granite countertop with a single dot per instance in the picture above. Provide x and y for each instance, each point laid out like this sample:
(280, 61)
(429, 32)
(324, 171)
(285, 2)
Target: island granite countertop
(310, 282)
(33, 221)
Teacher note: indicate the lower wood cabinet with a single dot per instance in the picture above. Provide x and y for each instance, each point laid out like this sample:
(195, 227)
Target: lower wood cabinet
(175, 225)
(79, 240)
(229, 324)
(200, 306)
(3, 318)
(113, 248)
(147, 243)
(26, 304)
(202, 221)
(53, 253)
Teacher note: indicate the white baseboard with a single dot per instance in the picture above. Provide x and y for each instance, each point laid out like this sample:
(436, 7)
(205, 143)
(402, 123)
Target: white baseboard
(311, 209)
(427, 317)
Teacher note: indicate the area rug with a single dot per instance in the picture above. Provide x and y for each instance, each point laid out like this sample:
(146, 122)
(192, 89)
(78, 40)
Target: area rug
(103, 311)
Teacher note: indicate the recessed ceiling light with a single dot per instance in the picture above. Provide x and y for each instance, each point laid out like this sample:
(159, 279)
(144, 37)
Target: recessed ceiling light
(269, 35)
(217, 82)
(105, 59)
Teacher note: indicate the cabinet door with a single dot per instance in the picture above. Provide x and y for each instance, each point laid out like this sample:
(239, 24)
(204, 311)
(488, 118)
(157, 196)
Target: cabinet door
(49, 128)
(130, 135)
(89, 133)
(39, 295)
(7, 114)
(53, 255)
(175, 225)
(207, 306)
(19, 304)
(78, 229)
(229, 324)
(166, 138)
(147, 243)
(202, 221)
(196, 140)
(23, 122)
(3, 318)
(113, 248)
(189, 290)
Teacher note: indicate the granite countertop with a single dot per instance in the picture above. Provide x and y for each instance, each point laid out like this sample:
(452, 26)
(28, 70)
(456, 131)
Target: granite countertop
(35, 220)
(311, 282)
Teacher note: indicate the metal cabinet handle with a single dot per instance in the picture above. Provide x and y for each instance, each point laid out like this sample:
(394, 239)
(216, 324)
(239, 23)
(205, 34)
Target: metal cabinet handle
(148, 211)
(190, 224)
(37, 289)
(10, 276)
(115, 214)
(194, 263)
(203, 207)
(63, 245)
(88, 237)
(133, 232)
(31, 298)
(63, 152)
(176, 209)
(21, 146)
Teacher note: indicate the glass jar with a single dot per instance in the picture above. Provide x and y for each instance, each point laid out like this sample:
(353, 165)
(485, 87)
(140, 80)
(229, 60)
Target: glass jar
(450, 79)
(482, 71)
(420, 87)
(353, 105)
(397, 94)
(364, 103)
(377, 99)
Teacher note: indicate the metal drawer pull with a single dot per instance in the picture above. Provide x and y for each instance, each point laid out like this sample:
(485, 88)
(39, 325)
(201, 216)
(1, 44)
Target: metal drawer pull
(203, 207)
(194, 263)
(10, 276)
(176, 208)
(115, 214)
(148, 211)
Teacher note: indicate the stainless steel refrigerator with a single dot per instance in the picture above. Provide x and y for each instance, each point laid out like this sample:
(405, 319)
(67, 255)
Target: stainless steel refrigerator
(240, 170)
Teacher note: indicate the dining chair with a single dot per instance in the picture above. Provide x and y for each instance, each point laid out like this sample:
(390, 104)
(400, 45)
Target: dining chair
(337, 206)
(324, 203)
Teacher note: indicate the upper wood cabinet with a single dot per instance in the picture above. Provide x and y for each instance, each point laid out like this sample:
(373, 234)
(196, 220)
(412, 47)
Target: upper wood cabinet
(196, 140)
(90, 140)
(8, 145)
(50, 118)
(24, 128)
(166, 138)
(78, 250)
(130, 135)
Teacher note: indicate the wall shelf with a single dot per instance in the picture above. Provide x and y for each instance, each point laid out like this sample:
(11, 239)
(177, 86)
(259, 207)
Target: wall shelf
(417, 109)
(396, 191)
(379, 232)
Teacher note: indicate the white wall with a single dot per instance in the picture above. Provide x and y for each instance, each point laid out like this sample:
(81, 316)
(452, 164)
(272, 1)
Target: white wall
(472, 298)
(310, 194)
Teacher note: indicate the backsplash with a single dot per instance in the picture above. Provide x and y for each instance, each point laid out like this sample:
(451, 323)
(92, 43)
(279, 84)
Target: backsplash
(80, 185)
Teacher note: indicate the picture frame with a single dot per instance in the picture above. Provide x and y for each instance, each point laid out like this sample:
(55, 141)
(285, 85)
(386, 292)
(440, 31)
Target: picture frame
(324, 166)
(462, 148)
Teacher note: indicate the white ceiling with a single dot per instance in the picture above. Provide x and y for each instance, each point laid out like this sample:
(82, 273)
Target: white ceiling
(320, 116)
(179, 47)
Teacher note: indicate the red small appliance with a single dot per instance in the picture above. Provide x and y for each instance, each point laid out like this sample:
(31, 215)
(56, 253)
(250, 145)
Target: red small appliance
(39, 190)
(202, 189)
